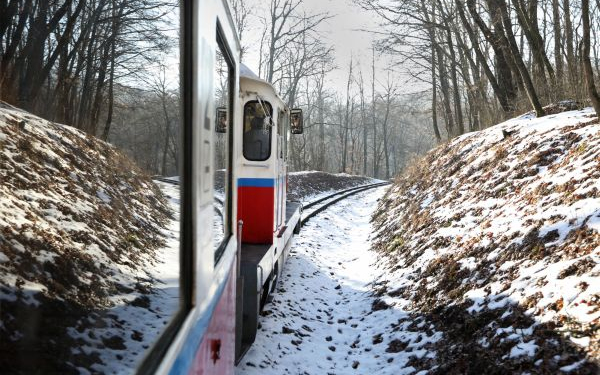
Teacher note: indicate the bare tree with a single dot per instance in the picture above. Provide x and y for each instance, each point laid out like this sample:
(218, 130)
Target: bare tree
(346, 123)
(585, 58)
(241, 14)
(283, 26)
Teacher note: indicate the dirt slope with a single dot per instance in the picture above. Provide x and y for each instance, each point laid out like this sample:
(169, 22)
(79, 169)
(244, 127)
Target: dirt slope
(305, 186)
(494, 238)
(79, 223)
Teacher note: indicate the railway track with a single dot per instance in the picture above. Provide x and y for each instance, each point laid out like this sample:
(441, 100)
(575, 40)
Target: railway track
(315, 207)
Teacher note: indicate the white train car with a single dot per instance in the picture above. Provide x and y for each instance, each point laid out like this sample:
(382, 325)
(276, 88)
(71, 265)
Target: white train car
(268, 219)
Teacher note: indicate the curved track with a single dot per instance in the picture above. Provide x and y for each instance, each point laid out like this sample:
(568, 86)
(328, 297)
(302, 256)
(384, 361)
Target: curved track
(315, 207)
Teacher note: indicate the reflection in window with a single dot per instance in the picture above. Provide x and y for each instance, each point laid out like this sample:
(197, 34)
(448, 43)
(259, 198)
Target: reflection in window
(222, 133)
(282, 120)
(285, 131)
(89, 218)
(257, 130)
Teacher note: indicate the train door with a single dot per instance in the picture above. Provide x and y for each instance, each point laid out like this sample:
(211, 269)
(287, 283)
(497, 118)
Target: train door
(280, 169)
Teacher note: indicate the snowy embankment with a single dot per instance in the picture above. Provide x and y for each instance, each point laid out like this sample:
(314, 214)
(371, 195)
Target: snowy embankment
(84, 239)
(494, 238)
(307, 186)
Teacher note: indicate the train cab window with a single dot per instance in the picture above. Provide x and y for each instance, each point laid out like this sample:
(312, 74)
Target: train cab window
(91, 188)
(223, 85)
(257, 130)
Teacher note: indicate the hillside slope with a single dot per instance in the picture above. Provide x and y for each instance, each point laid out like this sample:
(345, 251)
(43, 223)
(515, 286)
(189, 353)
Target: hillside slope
(309, 185)
(80, 230)
(493, 239)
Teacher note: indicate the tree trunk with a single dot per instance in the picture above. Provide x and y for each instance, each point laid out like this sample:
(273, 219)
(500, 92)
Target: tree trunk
(587, 64)
(499, 92)
(321, 119)
(454, 78)
(110, 98)
(7, 75)
(522, 70)
(432, 41)
(445, 89)
(374, 119)
(434, 118)
(502, 59)
(571, 63)
(363, 124)
(346, 122)
(531, 31)
(385, 132)
(558, 61)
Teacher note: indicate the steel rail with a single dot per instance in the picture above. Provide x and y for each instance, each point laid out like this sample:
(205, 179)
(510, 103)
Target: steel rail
(329, 201)
(328, 198)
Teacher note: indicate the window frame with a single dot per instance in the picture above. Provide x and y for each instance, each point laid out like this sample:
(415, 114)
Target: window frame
(280, 127)
(286, 126)
(270, 108)
(223, 46)
(153, 357)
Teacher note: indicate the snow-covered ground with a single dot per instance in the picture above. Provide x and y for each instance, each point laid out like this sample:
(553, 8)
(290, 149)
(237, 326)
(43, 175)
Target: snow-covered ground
(324, 318)
(488, 262)
(140, 323)
(88, 251)
(495, 235)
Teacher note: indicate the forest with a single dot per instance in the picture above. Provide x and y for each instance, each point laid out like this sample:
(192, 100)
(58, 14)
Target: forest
(481, 61)
(102, 66)
(107, 67)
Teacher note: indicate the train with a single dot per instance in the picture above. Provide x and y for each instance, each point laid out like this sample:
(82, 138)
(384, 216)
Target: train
(239, 259)
(106, 269)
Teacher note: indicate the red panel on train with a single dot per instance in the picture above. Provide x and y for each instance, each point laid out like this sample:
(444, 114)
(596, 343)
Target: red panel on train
(217, 351)
(255, 207)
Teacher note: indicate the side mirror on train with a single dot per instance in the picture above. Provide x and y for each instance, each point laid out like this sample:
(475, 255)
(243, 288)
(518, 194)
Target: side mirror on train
(221, 123)
(296, 121)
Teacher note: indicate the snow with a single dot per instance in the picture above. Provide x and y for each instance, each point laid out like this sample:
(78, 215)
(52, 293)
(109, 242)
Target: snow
(427, 201)
(572, 367)
(103, 196)
(507, 227)
(321, 319)
(163, 302)
(524, 348)
(83, 229)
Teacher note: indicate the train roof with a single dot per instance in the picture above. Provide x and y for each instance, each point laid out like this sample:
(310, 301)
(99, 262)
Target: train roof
(249, 81)
(246, 72)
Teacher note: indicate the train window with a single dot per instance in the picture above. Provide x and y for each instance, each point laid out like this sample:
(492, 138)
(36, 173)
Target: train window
(281, 132)
(257, 130)
(223, 84)
(90, 153)
(286, 126)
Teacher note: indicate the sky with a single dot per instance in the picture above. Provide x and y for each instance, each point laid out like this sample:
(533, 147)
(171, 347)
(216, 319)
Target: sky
(349, 31)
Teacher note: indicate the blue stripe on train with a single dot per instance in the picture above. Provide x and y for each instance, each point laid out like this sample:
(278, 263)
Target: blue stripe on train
(256, 182)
